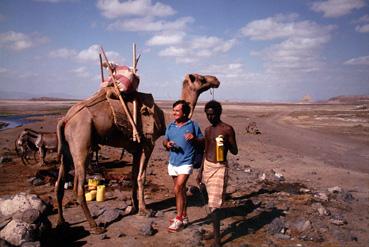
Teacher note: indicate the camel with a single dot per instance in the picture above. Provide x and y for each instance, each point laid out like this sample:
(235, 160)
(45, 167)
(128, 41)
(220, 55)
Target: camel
(91, 122)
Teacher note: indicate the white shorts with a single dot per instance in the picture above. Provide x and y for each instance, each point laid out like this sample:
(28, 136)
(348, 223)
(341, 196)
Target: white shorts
(178, 170)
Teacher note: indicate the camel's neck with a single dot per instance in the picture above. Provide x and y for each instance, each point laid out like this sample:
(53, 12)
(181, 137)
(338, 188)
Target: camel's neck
(190, 96)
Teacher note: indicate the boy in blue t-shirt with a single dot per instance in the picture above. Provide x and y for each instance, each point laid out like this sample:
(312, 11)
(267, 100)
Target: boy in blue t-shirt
(180, 139)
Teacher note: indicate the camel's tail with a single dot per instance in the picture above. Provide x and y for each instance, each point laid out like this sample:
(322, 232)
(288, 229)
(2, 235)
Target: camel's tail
(60, 136)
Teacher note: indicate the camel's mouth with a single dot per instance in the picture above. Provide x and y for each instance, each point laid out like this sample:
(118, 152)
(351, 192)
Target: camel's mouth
(216, 85)
(213, 81)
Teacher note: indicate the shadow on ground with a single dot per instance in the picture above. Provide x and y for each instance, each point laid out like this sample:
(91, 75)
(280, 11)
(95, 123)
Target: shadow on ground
(65, 236)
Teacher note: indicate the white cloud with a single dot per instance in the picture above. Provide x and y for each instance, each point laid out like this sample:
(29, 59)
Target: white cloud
(231, 71)
(166, 39)
(299, 48)
(212, 43)
(19, 41)
(362, 28)
(224, 46)
(91, 54)
(81, 72)
(27, 75)
(337, 8)
(148, 24)
(358, 61)
(282, 26)
(173, 52)
(115, 8)
(279, 26)
(204, 42)
(363, 24)
(55, 1)
(198, 48)
(3, 70)
(363, 19)
(63, 53)
(236, 76)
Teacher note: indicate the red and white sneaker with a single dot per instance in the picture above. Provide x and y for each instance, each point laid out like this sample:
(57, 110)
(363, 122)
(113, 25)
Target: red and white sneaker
(176, 225)
(185, 221)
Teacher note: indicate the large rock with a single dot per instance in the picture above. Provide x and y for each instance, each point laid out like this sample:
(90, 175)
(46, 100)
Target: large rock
(109, 216)
(147, 229)
(29, 216)
(300, 225)
(28, 219)
(21, 202)
(276, 226)
(18, 232)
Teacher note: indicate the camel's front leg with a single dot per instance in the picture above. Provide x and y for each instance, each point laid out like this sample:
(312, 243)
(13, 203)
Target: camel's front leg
(140, 182)
(145, 155)
(135, 171)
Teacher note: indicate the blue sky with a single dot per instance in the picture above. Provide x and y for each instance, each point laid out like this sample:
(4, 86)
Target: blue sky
(260, 50)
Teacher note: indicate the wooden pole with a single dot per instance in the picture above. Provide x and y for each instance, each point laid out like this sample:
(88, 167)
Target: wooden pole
(125, 108)
(134, 63)
(101, 68)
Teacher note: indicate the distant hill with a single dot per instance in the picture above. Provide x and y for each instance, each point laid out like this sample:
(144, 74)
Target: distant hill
(354, 99)
(33, 96)
(51, 99)
(15, 95)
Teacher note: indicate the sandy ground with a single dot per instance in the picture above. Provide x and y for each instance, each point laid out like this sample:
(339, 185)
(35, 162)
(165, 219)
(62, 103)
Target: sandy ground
(314, 146)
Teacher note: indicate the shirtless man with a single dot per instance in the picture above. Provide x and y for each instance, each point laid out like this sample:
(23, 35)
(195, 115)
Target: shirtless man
(214, 171)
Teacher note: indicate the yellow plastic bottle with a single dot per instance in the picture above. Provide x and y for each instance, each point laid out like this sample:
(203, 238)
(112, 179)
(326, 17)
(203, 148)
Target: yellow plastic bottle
(100, 197)
(219, 148)
(92, 183)
(90, 196)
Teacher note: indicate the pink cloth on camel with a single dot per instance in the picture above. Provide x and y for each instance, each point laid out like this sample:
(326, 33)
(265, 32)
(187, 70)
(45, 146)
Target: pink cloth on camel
(127, 81)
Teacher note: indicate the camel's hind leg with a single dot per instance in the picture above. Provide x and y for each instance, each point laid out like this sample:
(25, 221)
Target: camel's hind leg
(80, 173)
(75, 185)
(59, 190)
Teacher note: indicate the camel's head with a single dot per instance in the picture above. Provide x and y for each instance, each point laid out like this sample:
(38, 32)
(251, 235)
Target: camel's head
(194, 85)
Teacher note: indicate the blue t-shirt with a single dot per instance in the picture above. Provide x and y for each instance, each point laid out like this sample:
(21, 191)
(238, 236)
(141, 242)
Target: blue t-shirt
(183, 153)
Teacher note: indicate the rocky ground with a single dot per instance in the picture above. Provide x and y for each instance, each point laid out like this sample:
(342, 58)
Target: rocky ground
(300, 179)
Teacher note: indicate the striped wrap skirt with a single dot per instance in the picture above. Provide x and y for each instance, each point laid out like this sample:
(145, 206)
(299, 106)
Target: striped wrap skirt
(215, 177)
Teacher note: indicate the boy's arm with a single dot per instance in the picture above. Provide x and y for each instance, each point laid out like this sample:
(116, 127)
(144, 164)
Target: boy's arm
(199, 175)
(232, 142)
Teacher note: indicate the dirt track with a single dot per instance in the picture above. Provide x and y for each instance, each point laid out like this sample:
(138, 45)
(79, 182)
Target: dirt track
(319, 146)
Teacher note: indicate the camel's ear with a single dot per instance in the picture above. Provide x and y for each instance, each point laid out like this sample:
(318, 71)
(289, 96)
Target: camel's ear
(191, 77)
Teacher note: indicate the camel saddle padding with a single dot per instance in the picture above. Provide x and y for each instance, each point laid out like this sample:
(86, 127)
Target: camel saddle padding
(146, 122)
(98, 97)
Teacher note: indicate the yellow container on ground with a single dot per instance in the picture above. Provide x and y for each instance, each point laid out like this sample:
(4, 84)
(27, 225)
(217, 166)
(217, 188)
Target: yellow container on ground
(90, 196)
(100, 197)
(92, 183)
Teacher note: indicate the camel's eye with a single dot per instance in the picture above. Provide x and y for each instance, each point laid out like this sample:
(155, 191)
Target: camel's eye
(202, 79)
